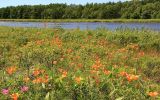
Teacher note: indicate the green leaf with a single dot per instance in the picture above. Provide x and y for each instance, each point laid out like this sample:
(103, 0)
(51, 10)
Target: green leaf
(43, 85)
(120, 98)
(52, 34)
(47, 96)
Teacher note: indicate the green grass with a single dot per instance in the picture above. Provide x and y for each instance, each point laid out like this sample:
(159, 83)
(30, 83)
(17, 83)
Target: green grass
(79, 64)
(83, 20)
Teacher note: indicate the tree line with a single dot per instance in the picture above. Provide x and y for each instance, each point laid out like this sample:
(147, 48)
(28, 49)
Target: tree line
(135, 9)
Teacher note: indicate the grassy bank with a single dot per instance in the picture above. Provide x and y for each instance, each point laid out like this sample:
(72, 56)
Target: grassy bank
(83, 20)
(58, 64)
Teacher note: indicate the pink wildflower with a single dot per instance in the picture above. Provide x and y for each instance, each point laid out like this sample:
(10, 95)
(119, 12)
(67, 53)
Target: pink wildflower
(24, 88)
(5, 91)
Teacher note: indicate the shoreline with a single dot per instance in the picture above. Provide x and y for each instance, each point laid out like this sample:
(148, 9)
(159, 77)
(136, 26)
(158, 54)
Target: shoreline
(85, 20)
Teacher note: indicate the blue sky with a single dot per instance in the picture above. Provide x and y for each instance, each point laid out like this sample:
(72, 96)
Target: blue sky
(4, 3)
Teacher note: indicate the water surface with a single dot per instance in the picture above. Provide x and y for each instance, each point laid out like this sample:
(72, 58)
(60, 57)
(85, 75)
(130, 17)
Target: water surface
(84, 25)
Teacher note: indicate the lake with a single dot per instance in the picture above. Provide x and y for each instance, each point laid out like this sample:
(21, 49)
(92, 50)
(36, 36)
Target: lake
(84, 25)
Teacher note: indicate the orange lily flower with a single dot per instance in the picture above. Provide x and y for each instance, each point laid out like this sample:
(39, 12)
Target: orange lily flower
(153, 94)
(78, 80)
(45, 79)
(26, 79)
(93, 72)
(15, 96)
(11, 70)
(141, 53)
(132, 77)
(64, 74)
(107, 72)
(123, 73)
(36, 72)
(37, 80)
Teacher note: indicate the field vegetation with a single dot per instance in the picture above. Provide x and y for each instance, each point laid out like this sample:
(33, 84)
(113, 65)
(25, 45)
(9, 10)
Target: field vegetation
(60, 64)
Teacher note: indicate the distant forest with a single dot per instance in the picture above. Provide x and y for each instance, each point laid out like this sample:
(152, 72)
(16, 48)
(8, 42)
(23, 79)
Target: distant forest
(135, 9)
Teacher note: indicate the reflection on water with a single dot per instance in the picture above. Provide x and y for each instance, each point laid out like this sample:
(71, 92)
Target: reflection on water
(84, 25)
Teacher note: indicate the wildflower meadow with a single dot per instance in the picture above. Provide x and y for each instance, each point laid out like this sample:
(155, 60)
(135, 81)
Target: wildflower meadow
(74, 64)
